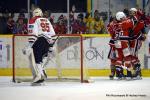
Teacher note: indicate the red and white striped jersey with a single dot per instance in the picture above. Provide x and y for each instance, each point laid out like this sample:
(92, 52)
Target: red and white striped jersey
(40, 27)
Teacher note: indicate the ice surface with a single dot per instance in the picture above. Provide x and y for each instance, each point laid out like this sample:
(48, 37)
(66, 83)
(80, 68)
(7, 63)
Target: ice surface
(101, 89)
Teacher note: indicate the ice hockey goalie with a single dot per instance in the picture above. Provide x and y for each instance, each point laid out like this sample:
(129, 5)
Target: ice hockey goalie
(39, 43)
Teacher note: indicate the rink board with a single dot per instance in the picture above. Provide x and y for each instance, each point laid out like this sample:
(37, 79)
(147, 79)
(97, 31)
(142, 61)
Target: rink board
(5, 64)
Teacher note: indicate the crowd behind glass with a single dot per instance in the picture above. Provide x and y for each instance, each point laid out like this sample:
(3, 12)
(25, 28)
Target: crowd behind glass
(80, 24)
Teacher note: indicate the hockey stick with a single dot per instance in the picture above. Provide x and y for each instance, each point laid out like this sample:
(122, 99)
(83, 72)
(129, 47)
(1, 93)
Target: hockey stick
(55, 39)
(49, 56)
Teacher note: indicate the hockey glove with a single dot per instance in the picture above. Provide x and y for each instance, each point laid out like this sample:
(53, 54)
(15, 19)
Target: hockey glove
(27, 50)
(111, 42)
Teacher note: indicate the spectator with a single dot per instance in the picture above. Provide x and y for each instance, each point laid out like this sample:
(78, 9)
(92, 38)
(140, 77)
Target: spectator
(60, 27)
(52, 19)
(10, 25)
(79, 26)
(3, 24)
(47, 14)
(88, 20)
(71, 21)
(20, 27)
(22, 16)
(98, 24)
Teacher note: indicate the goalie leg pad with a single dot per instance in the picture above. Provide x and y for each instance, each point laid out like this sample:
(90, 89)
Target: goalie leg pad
(36, 69)
(41, 76)
(32, 65)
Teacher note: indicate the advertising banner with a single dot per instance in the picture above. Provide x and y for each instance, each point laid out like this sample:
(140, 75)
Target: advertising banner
(5, 52)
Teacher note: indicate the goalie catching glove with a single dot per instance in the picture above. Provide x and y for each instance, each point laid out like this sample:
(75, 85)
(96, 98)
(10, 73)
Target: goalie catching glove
(27, 50)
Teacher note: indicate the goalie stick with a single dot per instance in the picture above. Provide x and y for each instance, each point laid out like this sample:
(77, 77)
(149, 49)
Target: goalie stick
(50, 55)
(55, 39)
(50, 52)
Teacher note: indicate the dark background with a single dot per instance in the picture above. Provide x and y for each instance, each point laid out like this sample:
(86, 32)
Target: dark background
(52, 5)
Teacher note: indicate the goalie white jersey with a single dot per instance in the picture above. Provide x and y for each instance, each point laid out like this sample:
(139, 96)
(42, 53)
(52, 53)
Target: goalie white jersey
(40, 27)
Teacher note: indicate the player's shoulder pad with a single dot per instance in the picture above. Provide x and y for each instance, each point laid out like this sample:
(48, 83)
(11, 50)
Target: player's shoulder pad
(43, 19)
(33, 19)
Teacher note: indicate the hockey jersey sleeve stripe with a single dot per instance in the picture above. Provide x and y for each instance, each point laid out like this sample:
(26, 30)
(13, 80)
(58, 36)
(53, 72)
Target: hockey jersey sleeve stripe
(32, 38)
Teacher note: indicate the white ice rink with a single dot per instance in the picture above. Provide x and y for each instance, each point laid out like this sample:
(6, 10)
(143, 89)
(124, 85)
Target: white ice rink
(101, 89)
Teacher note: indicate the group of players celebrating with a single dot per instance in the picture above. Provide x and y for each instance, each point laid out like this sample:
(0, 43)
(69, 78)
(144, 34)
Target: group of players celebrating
(127, 34)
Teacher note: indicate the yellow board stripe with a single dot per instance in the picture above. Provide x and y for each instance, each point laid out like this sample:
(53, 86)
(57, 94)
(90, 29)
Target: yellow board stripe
(95, 35)
(6, 36)
(65, 72)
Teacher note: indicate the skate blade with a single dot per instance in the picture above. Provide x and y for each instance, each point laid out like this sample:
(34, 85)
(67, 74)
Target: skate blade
(37, 84)
(137, 78)
(88, 81)
(111, 78)
(128, 79)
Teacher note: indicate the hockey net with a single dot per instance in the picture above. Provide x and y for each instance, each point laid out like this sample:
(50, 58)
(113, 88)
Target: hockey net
(76, 58)
(65, 63)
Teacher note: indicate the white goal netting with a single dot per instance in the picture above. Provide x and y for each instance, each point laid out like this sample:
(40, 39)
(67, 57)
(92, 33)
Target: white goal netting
(65, 62)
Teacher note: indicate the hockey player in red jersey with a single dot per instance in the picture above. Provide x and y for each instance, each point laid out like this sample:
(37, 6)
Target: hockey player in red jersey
(135, 44)
(112, 54)
(123, 30)
(38, 44)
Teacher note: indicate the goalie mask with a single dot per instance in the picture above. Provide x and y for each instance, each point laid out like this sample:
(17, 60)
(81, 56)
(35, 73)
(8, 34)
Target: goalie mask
(37, 12)
(120, 16)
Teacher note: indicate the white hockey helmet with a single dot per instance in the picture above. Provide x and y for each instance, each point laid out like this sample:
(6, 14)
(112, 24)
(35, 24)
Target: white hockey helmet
(133, 9)
(120, 15)
(37, 12)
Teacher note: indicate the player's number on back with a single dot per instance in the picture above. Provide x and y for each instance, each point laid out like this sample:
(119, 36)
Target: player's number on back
(45, 27)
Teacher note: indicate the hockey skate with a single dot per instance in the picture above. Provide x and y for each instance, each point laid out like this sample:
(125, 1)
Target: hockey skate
(119, 73)
(37, 84)
(137, 75)
(111, 76)
(120, 76)
(38, 80)
(113, 71)
(45, 75)
(129, 75)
